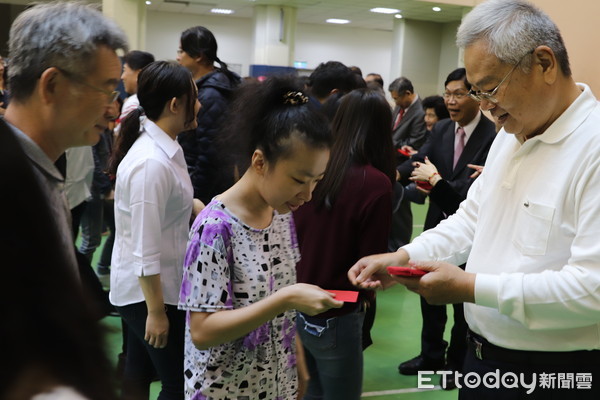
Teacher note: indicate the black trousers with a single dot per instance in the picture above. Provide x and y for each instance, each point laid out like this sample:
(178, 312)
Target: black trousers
(402, 225)
(433, 345)
(142, 358)
(565, 379)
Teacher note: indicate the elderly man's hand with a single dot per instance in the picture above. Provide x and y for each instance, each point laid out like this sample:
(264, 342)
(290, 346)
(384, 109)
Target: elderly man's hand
(370, 272)
(444, 284)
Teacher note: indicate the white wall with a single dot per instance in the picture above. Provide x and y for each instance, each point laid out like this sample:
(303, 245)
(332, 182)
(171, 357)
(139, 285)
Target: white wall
(365, 48)
(421, 59)
(428, 56)
(449, 54)
(234, 36)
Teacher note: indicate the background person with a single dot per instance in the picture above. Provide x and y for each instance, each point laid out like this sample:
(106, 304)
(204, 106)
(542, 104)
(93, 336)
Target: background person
(348, 218)
(464, 138)
(441, 193)
(435, 110)
(198, 53)
(153, 205)
(408, 134)
(329, 78)
(133, 63)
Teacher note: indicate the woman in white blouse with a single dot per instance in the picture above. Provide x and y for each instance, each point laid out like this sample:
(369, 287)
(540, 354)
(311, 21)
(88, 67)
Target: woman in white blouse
(153, 206)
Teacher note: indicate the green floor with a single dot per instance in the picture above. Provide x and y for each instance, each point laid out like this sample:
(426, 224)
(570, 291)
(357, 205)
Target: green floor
(395, 335)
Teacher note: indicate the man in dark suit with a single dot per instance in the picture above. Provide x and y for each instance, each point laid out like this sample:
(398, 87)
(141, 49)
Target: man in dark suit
(408, 130)
(408, 123)
(463, 139)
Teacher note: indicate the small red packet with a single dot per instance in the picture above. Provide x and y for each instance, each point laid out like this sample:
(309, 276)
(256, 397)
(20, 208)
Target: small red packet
(424, 185)
(349, 296)
(404, 152)
(406, 271)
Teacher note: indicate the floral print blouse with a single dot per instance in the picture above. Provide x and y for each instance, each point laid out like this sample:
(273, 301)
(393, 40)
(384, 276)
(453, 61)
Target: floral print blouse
(230, 265)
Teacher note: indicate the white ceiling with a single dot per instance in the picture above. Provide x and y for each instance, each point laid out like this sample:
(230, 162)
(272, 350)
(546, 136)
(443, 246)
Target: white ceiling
(316, 11)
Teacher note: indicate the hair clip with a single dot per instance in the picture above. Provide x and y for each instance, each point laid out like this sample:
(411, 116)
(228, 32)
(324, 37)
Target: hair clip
(295, 98)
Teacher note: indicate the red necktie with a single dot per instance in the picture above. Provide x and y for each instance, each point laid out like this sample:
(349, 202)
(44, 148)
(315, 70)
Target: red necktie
(398, 118)
(459, 145)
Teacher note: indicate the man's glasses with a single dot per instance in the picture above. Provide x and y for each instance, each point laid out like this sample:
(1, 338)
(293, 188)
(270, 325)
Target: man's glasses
(456, 95)
(112, 95)
(491, 95)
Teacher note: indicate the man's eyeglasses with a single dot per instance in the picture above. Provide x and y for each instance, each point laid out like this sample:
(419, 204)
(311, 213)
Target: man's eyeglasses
(456, 95)
(491, 95)
(112, 95)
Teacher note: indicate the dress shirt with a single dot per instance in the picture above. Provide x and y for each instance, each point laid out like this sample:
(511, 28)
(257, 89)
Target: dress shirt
(530, 230)
(405, 110)
(469, 128)
(153, 205)
(80, 173)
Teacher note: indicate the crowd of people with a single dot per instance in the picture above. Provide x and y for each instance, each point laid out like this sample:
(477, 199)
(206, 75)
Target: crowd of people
(239, 211)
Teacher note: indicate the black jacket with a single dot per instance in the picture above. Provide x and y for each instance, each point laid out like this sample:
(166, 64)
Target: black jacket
(199, 148)
(440, 151)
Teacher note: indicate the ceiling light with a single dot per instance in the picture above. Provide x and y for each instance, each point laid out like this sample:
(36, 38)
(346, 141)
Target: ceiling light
(398, 16)
(148, 3)
(337, 21)
(436, 9)
(221, 11)
(383, 10)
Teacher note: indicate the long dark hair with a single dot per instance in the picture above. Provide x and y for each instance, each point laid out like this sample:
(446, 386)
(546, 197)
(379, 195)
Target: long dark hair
(137, 59)
(158, 83)
(362, 135)
(266, 115)
(198, 41)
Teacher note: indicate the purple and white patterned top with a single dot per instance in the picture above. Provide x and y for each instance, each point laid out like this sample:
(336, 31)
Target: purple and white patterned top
(230, 265)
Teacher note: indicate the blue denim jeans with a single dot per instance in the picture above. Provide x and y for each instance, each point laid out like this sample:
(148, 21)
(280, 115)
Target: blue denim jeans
(334, 358)
(91, 226)
(97, 212)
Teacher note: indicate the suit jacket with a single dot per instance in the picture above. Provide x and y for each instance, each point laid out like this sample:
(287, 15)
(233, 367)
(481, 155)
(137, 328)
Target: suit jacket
(411, 131)
(440, 151)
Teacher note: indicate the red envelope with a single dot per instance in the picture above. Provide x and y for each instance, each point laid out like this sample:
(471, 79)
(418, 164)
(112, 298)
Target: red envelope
(349, 296)
(406, 271)
(404, 152)
(424, 185)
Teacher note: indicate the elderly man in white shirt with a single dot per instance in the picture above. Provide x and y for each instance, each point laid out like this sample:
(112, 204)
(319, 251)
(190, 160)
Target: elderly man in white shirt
(529, 227)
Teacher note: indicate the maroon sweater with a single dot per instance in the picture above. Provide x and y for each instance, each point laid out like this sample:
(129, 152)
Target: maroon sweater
(357, 225)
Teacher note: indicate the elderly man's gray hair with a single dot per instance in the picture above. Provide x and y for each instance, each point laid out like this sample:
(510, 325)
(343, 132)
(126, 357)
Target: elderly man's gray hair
(57, 34)
(511, 29)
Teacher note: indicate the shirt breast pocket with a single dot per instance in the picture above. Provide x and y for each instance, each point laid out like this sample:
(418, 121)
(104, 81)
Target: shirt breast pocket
(534, 223)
